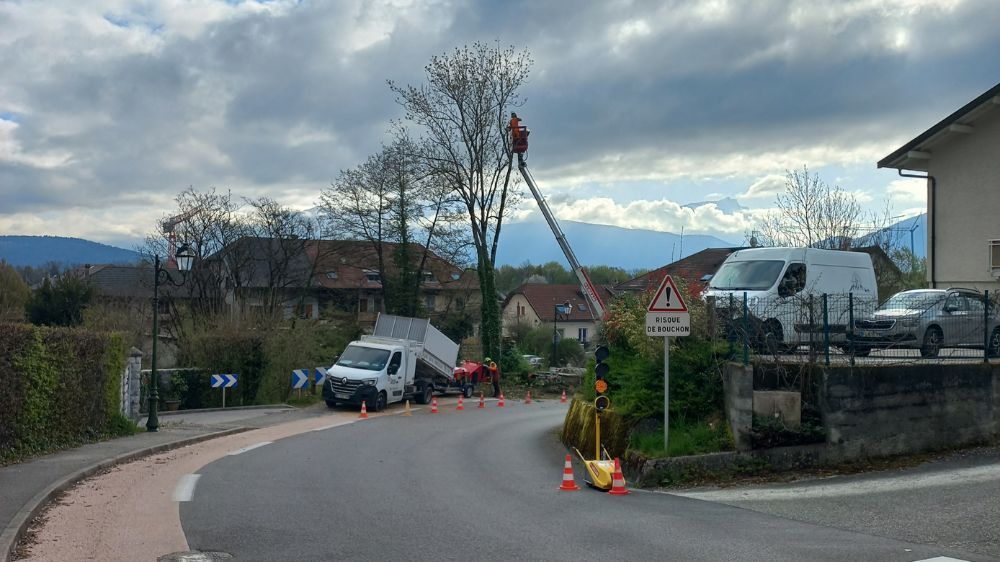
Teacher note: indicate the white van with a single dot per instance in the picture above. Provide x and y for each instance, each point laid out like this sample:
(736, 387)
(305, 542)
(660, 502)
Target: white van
(784, 288)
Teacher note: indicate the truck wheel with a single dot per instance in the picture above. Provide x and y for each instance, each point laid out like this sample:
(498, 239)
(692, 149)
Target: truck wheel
(379, 402)
(331, 404)
(428, 393)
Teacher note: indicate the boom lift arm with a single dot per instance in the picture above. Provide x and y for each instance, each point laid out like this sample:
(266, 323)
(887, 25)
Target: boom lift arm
(519, 136)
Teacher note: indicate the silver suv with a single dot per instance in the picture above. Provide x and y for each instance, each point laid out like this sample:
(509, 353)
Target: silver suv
(928, 320)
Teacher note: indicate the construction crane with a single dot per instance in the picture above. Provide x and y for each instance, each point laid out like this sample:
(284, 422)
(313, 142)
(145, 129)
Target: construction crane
(519, 145)
(168, 224)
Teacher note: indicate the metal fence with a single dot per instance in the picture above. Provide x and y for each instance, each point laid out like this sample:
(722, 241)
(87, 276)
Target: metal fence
(954, 325)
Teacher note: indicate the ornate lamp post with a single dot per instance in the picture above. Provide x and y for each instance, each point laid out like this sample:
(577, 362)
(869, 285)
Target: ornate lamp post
(185, 259)
(563, 308)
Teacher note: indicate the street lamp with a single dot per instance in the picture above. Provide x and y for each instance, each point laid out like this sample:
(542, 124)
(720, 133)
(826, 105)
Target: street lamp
(563, 308)
(185, 258)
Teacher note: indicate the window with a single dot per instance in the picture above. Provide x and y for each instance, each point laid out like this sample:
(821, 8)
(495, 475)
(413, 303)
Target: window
(367, 304)
(429, 302)
(360, 357)
(747, 275)
(581, 334)
(793, 281)
(455, 276)
(372, 276)
(395, 362)
(582, 307)
(331, 274)
(429, 277)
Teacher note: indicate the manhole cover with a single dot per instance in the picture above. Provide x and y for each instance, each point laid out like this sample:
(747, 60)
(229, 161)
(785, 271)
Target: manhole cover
(195, 556)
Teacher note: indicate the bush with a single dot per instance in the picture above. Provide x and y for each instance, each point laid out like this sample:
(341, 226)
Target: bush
(58, 387)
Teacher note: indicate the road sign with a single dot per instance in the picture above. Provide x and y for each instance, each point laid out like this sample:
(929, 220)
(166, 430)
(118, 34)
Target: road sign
(300, 378)
(667, 315)
(320, 375)
(224, 381)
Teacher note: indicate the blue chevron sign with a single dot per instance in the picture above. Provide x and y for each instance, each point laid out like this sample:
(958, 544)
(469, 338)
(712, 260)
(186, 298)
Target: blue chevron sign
(320, 375)
(300, 378)
(224, 381)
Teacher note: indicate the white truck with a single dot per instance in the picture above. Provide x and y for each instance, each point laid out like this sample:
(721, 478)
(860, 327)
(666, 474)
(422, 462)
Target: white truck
(404, 358)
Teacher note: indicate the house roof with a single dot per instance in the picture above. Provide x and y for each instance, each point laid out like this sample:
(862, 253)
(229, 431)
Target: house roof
(692, 269)
(125, 281)
(915, 155)
(353, 264)
(543, 299)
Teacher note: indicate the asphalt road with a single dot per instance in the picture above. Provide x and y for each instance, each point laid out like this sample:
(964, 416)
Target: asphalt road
(479, 484)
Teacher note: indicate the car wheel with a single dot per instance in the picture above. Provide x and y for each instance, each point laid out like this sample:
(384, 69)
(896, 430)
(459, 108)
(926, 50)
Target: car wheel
(379, 402)
(331, 404)
(994, 348)
(932, 342)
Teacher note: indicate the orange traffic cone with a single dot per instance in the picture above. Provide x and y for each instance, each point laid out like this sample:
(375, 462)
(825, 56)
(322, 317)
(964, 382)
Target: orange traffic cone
(407, 411)
(434, 405)
(482, 400)
(461, 403)
(500, 403)
(563, 399)
(618, 481)
(568, 485)
(364, 411)
(528, 399)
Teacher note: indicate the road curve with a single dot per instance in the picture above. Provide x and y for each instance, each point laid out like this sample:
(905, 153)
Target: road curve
(479, 484)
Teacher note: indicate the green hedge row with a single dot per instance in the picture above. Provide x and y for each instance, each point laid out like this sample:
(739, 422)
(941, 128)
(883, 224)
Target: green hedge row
(264, 361)
(59, 387)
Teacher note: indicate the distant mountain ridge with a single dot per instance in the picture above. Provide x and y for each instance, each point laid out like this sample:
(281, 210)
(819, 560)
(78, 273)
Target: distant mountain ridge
(596, 244)
(37, 251)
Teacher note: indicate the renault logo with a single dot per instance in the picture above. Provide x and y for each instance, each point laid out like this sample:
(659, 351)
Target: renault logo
(343, 380)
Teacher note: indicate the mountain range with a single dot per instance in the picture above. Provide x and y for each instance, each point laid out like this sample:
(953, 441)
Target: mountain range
(37, 251)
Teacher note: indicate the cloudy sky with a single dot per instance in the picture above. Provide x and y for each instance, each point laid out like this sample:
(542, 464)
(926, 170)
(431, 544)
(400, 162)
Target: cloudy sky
(109, 109)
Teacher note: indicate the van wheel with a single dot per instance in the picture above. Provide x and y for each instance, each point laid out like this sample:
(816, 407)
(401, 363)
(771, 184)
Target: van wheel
(994, 348)
(380, 401)
(933, 338)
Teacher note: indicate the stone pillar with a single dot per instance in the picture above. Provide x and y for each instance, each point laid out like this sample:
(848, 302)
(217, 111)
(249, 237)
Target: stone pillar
(737, 385)
(134, 371)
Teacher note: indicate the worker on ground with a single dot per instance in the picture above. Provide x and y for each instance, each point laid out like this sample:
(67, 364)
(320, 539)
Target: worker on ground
(494, 376)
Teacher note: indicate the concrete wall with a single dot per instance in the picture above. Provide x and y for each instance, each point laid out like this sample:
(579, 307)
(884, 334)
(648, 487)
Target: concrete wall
(967, 171)
(887, 410)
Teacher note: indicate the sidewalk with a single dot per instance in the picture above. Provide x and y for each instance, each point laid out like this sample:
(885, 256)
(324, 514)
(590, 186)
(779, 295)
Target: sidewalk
(27, 487)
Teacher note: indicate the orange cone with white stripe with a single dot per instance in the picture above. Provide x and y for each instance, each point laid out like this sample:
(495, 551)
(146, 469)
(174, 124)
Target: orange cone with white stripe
(500, 403)
(461, 403)
(482, 400)
(618, 481)
(568, 484)
(563, 399)
(364, 411)
(434, 405)
(528, 399)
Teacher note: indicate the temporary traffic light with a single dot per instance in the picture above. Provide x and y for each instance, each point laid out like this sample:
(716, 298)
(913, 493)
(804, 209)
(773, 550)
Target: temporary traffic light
(601, 369)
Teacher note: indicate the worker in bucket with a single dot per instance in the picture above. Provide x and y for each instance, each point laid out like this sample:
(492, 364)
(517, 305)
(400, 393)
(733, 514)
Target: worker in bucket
(515, 126)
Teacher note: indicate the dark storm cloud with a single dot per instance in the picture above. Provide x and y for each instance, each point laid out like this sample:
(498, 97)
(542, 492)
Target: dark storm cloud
(262, 101)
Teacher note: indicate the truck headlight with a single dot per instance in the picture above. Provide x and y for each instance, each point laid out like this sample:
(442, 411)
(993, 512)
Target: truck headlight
(370, 381)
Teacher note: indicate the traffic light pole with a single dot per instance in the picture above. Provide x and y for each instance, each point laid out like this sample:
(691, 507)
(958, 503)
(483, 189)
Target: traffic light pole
(666, 394)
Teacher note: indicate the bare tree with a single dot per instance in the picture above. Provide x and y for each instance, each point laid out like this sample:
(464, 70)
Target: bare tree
(463, 109)
(396, 203)
(811, 213)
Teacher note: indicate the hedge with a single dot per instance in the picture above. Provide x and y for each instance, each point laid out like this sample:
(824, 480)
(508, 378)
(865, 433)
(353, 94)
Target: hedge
(59, 387)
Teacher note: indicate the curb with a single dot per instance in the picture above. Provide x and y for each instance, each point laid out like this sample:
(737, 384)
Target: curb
(233, 408)
(16, 528)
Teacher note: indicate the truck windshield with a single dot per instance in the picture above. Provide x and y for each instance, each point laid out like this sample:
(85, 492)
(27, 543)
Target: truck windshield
(747, 275)
(367, 358)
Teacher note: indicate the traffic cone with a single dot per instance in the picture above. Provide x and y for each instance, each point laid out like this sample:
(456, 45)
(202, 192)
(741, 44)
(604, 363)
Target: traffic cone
(528, 399)
(482, 400)
(364, 411)
(407, 411)
(618, 481)
(500, 403)
(461, 403)
(568, 485)
(434, 405)
(563, 399)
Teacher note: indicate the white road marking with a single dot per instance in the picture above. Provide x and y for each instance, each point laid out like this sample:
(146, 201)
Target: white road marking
(941, 559)
(185, 487)
(333, 425)
(853, 488)
(250, 448)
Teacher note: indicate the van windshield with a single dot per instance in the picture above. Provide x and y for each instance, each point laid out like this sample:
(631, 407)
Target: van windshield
(367, 358)
(747, 275)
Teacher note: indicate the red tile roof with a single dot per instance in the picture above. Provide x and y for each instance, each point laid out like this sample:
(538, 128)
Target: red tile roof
(691, 269)
(543, 298)
(346, 264)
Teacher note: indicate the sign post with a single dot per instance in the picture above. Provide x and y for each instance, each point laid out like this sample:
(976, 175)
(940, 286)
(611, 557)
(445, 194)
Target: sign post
(224, 381)
(666, 316)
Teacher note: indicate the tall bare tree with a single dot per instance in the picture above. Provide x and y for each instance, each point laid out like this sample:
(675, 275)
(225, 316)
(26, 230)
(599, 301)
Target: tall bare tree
(463, 108)
(812, 213)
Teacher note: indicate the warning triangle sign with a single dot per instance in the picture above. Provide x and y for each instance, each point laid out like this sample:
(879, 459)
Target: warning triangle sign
(667, 298)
